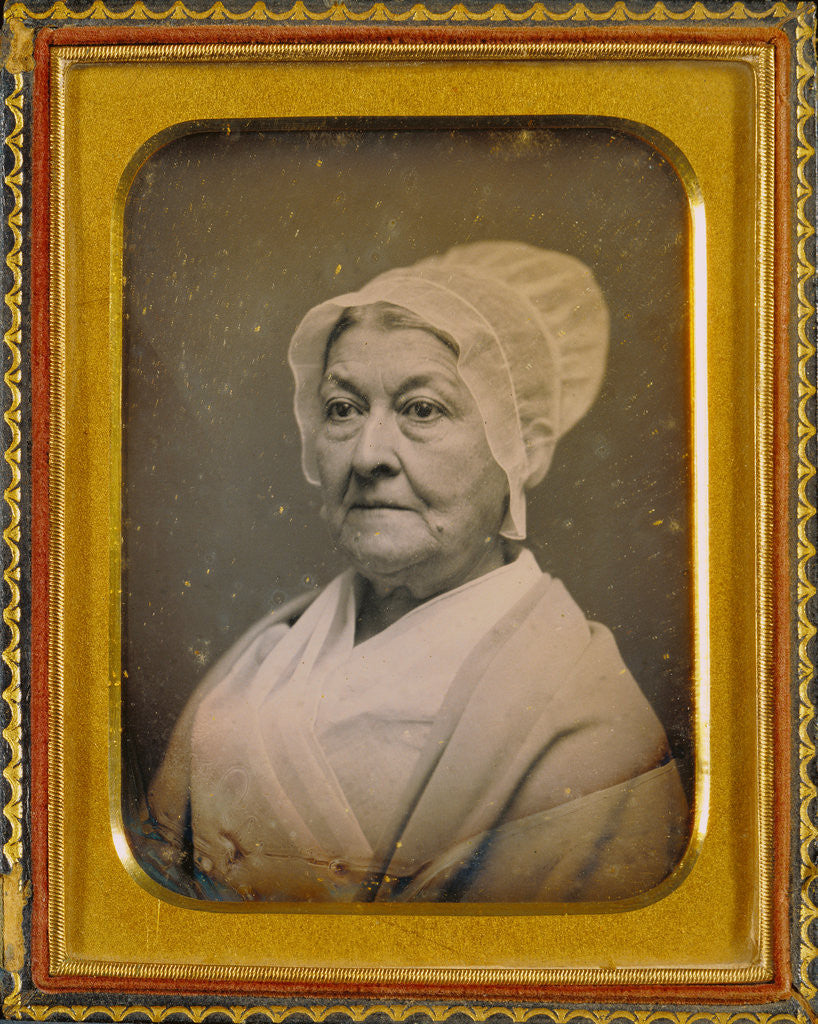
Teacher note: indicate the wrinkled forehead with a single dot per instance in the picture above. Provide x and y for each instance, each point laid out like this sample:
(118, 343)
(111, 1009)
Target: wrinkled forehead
(371, 360)
(383, 318)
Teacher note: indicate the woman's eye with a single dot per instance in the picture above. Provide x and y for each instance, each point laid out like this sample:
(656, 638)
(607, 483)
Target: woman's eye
(421, 409)
(339, 410)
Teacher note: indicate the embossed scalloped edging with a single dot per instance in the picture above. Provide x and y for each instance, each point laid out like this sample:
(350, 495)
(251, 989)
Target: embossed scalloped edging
(416, 1012)
(14, 1001)
(12, 339)
(381, 12)
(12, 378)
(805, 233)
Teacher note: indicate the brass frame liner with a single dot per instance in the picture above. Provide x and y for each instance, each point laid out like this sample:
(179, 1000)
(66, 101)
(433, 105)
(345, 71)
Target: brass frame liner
(760, 59)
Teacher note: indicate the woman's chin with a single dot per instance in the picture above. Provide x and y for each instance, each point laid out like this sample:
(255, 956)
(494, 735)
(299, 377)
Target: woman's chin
(381, 556)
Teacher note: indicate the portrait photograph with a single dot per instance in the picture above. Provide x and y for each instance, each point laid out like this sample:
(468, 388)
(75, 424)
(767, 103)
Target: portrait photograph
(407, 575)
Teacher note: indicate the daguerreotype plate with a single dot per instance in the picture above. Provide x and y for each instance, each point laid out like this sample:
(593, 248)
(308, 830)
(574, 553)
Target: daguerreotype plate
(409, 511)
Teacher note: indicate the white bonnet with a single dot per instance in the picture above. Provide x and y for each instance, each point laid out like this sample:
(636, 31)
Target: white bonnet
(531, 330)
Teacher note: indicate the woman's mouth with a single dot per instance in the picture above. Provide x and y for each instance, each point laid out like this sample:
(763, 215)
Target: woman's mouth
(370, 504)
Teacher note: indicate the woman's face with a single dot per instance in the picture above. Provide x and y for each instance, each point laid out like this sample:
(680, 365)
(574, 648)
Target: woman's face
(411, 491)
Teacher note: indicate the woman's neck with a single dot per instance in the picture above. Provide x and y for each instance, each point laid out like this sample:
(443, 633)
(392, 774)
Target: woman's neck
(379, 613)
(379, 607)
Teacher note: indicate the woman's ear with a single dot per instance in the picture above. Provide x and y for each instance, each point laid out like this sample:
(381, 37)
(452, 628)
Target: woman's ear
(539, 449)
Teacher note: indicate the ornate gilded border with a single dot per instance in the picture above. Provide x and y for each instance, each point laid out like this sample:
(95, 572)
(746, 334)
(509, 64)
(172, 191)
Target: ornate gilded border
(433, 1012)
(12, 734)
(760, 59)
(13, 891)
(806, 470)
(805, 114)
(381, 12)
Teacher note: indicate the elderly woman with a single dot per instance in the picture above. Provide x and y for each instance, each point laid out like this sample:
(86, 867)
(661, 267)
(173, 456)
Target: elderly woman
(441, 722)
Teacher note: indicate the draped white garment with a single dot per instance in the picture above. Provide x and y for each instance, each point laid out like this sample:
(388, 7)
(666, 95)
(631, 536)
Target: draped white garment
(370, 707)
(492, 729)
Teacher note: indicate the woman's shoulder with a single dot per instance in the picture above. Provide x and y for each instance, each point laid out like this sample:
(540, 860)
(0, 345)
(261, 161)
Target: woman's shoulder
(245, 654)
(594, 685)
(169, 790)
(573, 693)
(256, 642)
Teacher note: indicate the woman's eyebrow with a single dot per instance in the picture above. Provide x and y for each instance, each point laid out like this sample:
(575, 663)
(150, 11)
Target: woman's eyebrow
(436, 378)
(342, 383)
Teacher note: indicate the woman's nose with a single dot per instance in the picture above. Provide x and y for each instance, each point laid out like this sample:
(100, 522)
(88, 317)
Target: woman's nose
(375, 449)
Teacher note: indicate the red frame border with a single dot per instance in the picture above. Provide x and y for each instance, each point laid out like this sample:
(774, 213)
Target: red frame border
(781, 985)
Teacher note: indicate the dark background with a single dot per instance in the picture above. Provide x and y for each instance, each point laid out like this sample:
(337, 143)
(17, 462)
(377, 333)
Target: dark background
(232, 235)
